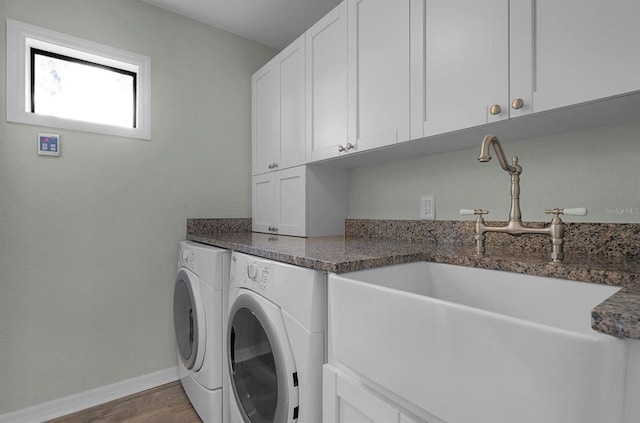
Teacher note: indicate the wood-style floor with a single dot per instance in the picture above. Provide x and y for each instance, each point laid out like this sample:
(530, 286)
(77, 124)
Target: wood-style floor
(164, 404)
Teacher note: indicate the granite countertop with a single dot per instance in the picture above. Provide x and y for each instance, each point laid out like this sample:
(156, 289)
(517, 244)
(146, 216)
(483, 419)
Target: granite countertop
(619, 315)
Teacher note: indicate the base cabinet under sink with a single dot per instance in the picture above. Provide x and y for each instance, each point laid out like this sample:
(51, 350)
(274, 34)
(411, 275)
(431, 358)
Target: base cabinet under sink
(346, 400)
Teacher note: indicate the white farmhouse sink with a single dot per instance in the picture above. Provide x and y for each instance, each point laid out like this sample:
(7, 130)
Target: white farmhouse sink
(474, 345)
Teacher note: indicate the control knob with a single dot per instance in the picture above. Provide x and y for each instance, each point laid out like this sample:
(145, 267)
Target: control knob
(252, 271)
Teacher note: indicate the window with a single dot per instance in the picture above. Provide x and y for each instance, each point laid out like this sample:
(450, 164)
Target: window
(60, 81)
(67, 87)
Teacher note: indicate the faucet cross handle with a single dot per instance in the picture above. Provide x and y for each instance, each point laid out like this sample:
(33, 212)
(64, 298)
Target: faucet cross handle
(478, 228)
(576, 211)
(469, 212)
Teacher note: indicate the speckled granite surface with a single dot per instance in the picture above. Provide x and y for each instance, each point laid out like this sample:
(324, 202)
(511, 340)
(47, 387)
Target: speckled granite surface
(597, 239)
(376, 243)
(206, 227)
(619, 315)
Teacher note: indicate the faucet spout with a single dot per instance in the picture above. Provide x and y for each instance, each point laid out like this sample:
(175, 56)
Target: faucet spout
(485, 156)
(514, 169)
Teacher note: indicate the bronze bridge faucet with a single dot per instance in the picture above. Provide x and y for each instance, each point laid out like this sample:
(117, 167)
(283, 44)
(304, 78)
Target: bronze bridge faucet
(556, 228)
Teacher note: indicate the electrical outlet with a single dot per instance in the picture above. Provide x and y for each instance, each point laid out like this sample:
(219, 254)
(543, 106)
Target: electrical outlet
(428, 206)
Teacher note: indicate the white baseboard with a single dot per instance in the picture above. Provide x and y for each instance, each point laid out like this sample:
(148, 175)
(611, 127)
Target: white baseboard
(71, 404)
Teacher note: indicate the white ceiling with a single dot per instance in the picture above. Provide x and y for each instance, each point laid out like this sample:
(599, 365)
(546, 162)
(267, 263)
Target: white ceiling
(275, 23)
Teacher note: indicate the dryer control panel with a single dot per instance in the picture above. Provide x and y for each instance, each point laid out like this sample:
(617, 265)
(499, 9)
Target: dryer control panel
(254, 273)
(260, 273)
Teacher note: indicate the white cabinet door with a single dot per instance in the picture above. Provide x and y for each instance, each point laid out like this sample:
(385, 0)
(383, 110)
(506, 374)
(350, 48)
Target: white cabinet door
(346, 400)
(279, 202)
(300, 201)
(266, 117)
(292, 105)
(326, 52)
(460, 64)
(573, 51)
(378, 42)
(278, 96)
(291, 204)
(263, 202)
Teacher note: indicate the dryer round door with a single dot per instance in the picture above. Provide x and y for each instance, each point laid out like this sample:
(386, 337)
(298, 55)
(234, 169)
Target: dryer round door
(189, 320)
(261, 366)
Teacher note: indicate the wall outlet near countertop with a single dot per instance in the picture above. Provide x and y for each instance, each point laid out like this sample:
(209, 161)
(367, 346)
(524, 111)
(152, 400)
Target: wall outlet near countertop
(428, 206)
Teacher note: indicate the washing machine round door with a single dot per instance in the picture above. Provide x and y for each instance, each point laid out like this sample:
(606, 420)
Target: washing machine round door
(189, 320)
(262, 370)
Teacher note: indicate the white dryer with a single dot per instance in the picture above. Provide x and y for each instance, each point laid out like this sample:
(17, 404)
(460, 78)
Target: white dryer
(275, 341)
(199, 317)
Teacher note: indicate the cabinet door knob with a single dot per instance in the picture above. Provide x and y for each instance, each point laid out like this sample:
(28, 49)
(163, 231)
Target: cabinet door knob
(517, 103)
(341, 148)
(495, 109)
(275, 165)
(350, 146)
(270, 165)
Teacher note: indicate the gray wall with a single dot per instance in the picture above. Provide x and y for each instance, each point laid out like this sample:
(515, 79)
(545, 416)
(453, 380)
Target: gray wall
(88, 241)
(598, 169)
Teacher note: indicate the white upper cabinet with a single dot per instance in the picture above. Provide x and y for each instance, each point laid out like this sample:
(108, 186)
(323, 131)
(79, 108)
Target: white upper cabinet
(379, 44)
(573, 51)
(278, 131)
(478, 62)
(326, 52)
(373, 73)
(460, 64)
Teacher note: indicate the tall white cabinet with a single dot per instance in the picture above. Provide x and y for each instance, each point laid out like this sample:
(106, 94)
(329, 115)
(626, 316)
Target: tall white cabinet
(289, 198)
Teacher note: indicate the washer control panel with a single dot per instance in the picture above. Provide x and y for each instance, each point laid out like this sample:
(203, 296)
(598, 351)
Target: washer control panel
(188, 258)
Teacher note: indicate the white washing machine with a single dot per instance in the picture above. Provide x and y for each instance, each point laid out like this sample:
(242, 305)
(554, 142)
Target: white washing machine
(199, 316)
(275, 341)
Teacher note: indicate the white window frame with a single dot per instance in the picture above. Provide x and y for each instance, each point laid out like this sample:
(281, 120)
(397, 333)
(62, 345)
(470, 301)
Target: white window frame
(21, 37)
